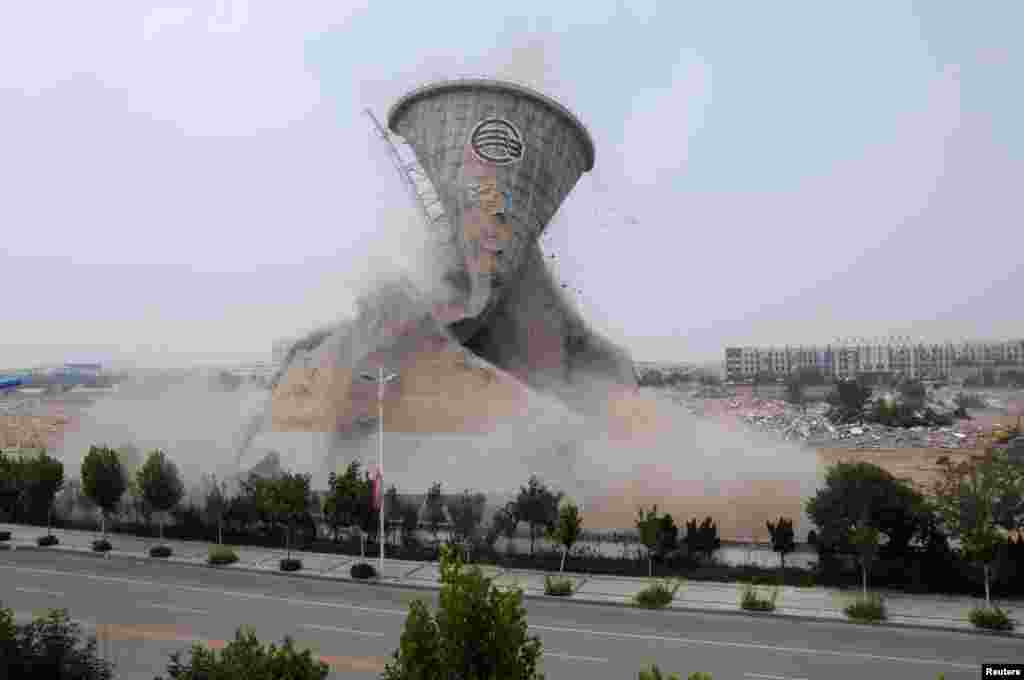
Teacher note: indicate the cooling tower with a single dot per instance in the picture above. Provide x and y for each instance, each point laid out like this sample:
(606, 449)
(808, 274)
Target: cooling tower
(502, 158)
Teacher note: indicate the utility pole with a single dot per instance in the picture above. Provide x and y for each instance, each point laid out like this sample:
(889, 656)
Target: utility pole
(381, 381)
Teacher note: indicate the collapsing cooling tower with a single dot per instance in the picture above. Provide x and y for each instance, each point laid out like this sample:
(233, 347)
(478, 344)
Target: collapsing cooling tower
(501, 158)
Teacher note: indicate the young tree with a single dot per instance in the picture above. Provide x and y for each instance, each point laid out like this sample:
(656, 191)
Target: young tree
(217, 504)
(648, 523)
(284, 500)
(567, 531)
(537, 505)
(160, 484)
(479, 631)
(702, 539)
(44, 479)
(466, 512)
(978, 501)
(783, 539)
(433, 510)
(103, 480)
(864, 538)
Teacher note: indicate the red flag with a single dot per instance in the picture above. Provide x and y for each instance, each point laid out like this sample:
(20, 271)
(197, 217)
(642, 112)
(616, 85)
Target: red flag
(377, 481)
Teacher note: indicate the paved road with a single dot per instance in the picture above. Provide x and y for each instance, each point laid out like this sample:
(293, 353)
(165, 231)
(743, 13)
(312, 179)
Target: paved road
(149, 609)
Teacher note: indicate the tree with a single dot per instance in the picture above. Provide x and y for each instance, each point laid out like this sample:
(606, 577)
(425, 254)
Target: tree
(284, 500)
(913, 394)
(433, 510)
(245, 657)
(479, 631)
(12, 484)
(49, 647)
(537, 505)
(567, 531)
(466, 512)
(847, 401)
(345, 496)
(160, 484)
(703, 539)
(103, 480)
(44, 478)
(978, 502)
(862, 494)
(864, 538)
(217, 504)
(783, 539)
(658, 534)
(795, 391)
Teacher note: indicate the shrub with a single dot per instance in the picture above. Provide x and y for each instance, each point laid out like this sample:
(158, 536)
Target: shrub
(160, 551)
(558, 586)
(291, 564)
(867, 609)
(47, 540)
(751, 600)
(246, 657)
(102, 545)
(990, 619)
(805, 580)
(658, 595)
(52, 646)
(5, 535)
(363, 571)
(221, 554)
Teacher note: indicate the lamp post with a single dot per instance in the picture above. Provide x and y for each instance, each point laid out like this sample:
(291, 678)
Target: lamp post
(381, 381)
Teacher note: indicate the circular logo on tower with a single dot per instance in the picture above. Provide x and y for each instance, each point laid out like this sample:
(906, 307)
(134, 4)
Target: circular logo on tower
(497, 141)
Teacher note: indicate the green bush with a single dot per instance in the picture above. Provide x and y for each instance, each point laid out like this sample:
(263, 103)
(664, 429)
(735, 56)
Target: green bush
(805, 580)
(991, 619)
(658, 595)
(751, 600)
(246, 657)
(867, 609)
(50, 647)
(102, 545)
(558, 586)
(160, 551)
(222, 554)
(478, 631)
(362, 571)
(291, 564)
(47, 540)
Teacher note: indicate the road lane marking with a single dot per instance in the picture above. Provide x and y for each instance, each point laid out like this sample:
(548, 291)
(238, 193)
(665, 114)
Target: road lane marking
(398, 612)
(749, 645)
(572, 657)
(336, 629)
(762, 676)
(211, 591)
(55, 593)
(173, 608)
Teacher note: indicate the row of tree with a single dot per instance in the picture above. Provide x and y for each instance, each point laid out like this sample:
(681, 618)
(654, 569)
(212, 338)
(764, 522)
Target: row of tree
(977, 504)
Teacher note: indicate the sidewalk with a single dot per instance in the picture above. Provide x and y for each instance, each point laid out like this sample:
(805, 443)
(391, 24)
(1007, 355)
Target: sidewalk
(927, 611)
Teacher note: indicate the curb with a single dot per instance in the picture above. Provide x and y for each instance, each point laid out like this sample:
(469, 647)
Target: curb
(542, 597)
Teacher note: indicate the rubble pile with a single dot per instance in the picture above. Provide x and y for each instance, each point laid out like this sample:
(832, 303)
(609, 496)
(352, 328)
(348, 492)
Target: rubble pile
(793, 423)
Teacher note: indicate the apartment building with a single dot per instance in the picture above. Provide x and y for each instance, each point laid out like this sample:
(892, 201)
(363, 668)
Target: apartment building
(847, 358)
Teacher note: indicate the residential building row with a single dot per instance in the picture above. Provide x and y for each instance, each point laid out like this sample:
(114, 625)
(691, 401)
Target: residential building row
(848, 358)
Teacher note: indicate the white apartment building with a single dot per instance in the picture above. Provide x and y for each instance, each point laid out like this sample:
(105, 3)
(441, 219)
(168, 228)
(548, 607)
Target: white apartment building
(847, 358)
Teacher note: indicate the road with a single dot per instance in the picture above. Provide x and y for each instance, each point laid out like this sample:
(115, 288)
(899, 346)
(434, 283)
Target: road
(149, 609)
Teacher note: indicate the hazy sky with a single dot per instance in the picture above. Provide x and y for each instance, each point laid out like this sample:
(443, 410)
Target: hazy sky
(191, 181)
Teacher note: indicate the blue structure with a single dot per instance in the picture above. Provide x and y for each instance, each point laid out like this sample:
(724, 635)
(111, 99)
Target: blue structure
(10, 383)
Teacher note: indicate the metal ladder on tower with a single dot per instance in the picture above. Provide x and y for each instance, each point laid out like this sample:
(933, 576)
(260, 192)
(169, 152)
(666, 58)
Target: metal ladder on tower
(416, 181)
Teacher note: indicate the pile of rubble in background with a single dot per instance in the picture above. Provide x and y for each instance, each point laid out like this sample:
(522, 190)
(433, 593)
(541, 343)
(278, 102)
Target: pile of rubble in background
(794, 423)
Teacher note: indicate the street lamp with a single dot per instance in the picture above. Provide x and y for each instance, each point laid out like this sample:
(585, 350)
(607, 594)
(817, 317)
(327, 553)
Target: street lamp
(381, 381)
